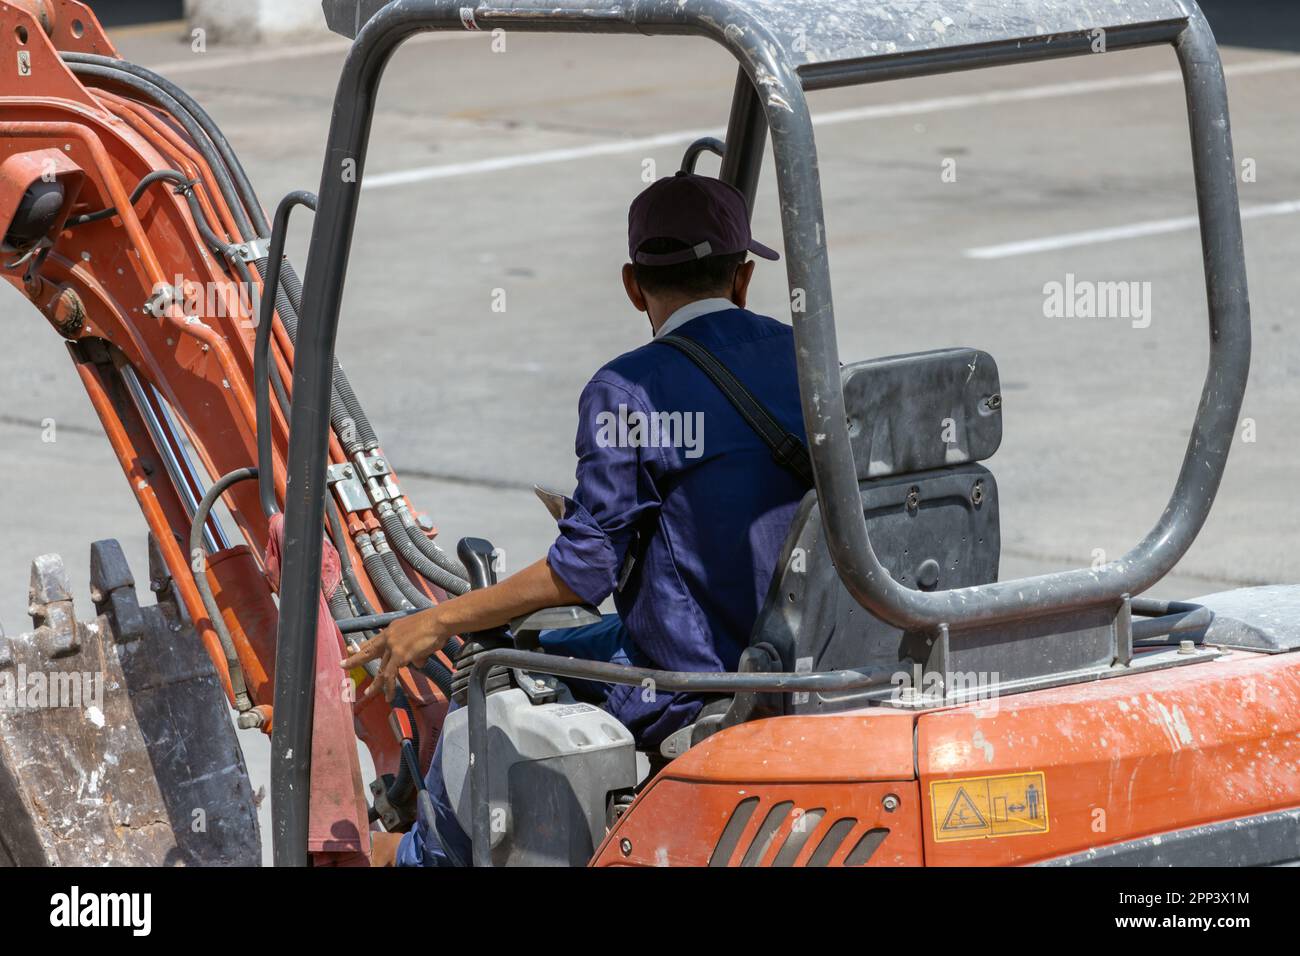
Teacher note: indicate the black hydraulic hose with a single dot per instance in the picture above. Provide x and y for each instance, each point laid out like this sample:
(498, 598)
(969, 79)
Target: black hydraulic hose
(345, 562)
(158, 175)
(389, 595)
(439, 673)
(377, 622)
(152, 91)
(198, 564)
(340, 609)
(200, 116)
(448, 562)
(401, 542)
(398, 573)
(372, 622)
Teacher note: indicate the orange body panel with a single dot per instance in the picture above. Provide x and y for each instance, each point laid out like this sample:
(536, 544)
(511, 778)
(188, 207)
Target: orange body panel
(1126, 757)
(1120, 759)
(808, 773)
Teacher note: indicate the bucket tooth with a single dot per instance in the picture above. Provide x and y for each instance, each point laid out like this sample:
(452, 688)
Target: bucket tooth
(112, 588)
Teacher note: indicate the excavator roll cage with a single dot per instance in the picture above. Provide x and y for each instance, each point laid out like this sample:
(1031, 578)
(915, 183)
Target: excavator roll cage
(786, 49)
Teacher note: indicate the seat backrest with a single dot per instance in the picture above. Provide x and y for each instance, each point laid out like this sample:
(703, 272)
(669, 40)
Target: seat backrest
(919, 424)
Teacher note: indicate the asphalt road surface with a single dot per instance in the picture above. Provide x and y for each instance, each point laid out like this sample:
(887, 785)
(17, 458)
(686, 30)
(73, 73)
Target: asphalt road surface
(951, 203)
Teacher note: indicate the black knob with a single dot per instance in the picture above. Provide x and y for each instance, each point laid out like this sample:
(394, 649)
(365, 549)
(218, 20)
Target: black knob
(476, 555)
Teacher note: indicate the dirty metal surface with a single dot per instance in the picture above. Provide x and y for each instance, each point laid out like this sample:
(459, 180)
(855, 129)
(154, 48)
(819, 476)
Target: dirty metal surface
(809, 31)
(115, 743)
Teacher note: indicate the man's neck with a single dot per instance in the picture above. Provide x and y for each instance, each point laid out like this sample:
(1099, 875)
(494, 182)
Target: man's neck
(683, 311)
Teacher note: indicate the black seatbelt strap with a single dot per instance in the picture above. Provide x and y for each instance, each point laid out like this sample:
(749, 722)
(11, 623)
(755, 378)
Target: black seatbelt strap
(787, 449)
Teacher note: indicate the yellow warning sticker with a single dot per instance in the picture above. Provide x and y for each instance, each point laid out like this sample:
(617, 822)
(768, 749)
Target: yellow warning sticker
(976, 808)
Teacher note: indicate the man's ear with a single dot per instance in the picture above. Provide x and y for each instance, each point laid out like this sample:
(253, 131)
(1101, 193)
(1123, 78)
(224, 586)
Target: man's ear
(633, 288)
(740, 284)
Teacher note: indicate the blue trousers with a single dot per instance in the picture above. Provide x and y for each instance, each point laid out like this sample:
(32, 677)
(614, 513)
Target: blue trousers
(442, 841)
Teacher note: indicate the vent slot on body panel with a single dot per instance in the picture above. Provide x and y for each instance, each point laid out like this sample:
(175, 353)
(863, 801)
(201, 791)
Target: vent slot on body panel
(731, 832)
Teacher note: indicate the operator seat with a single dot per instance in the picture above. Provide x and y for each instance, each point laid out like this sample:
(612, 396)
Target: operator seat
(918, 426)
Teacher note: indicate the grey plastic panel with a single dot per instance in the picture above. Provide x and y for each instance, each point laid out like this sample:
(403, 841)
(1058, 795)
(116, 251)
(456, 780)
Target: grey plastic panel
(1267, 839)
(815, 624)
(926, 410)
(552, 768)
(1258, 619)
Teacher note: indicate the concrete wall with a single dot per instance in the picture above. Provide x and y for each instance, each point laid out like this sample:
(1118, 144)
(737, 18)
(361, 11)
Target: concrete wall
(253, 21)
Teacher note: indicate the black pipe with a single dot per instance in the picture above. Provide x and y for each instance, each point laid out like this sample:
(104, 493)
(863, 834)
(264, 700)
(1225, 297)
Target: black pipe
(198, 559)
(373, 622)
(262, 347)
(158, 175)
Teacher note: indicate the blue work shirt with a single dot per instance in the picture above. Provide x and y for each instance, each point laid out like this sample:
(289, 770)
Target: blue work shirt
(680, 510)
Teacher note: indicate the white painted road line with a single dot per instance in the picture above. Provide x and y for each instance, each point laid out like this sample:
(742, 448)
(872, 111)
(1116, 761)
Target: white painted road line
(427, 173)
(1153, 227)
(833, 118)
(199, 62)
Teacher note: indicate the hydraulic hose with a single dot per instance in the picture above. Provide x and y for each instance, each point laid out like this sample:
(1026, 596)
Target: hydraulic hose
(198, 563)
(158, 175)
(152, 91)
(401, 542)
(389, 594)
(398, 573)
(448, 562)
(220, 145)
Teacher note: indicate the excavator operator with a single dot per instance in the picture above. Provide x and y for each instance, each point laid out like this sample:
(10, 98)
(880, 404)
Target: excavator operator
(681, 504)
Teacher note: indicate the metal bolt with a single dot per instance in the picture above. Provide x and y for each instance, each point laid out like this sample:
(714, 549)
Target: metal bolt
(890, 803)
(913, 499)
(626, 846)
(977, 493)
(1186, 647)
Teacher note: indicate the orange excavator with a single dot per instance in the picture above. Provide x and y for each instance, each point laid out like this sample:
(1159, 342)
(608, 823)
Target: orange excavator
(898, 704)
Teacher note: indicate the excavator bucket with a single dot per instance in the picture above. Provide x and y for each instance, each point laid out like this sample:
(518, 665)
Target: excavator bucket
(116, 745)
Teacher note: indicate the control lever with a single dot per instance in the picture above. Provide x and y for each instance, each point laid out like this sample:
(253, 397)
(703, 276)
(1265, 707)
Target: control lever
(476, 555)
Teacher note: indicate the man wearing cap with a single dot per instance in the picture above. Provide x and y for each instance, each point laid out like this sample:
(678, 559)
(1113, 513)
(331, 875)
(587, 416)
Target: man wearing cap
(680, 507)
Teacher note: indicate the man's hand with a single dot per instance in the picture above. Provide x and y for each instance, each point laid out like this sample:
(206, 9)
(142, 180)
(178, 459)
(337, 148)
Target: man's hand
(412, 639)
(408, 640)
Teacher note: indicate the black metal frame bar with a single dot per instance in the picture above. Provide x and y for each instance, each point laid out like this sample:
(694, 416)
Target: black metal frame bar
(785, 111)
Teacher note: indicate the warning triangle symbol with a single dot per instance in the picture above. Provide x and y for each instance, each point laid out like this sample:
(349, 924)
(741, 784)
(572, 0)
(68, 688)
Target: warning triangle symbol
(963, 814)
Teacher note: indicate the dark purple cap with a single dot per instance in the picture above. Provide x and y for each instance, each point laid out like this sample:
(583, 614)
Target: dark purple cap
(706, 214)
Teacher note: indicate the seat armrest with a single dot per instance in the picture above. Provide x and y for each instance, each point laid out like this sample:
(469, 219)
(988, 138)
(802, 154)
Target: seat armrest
(554, 618)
